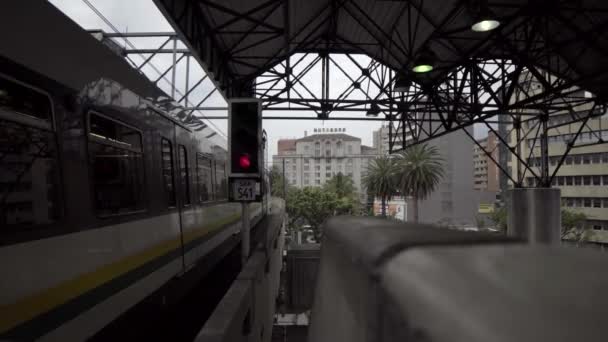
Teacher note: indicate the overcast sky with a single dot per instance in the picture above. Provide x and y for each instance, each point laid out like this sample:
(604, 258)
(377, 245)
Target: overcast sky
(143, 16)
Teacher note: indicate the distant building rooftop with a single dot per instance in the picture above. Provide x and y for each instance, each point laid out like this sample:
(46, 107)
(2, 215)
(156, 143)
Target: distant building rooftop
(285, 145)
(329, 136)
(368, 150)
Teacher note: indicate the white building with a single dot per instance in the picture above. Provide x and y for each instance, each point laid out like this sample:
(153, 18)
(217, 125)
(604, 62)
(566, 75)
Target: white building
(314, 159)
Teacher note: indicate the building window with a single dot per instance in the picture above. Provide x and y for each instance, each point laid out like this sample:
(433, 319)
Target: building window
(596, 158)
(578, 202)
(587, 202)
(586, 180)
(167, 171)
(118, 167)
(327, 148)
(205, 179)
(568, 180)
(317, 149)
(327, 167)
(597, 180)
(605, 202)
(568, 160)
(560, 180)
(184, 174)
(605, 179)
(586, 159)
(328, 175)
(349, 148)
(597, 202)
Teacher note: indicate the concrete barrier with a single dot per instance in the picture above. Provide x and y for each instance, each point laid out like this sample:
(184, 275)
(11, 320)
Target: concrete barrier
(384, 281)
(247, 310)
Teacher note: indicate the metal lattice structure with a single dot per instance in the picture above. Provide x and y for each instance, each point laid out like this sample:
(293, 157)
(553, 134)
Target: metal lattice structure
(545, 59)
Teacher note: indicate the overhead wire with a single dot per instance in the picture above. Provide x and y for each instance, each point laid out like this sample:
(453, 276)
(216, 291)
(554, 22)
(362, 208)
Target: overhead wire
(132, 46)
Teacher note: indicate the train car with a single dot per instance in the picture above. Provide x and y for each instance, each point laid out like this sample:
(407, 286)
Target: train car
(104, 197)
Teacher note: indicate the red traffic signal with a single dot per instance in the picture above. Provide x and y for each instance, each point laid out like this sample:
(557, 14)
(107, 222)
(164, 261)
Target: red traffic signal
(244, 161)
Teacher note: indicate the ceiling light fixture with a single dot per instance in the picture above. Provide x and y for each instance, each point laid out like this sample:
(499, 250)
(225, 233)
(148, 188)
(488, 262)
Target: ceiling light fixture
(483, 19)
(425, 61)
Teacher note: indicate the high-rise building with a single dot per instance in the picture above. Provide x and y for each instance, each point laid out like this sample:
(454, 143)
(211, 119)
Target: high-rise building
(485, 171)
(381, 140)
(583, 176)
(314, 159)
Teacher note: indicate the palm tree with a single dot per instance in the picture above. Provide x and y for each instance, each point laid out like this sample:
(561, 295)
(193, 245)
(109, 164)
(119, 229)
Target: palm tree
(419, 171)
(344, 189)
(341, 185)
(380, 179)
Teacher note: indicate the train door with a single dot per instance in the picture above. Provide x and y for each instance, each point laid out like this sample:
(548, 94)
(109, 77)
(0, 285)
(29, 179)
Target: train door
(185, 161)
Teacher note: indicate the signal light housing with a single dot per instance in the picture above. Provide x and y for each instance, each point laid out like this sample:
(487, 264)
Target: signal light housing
(245, 138)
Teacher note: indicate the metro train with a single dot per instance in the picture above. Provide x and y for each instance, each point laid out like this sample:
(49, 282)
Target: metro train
(104, 197)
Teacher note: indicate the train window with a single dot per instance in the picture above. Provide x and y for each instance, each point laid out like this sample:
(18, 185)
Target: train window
(221, 186)
(109, 131)
(118, 168)
(183, 175)
(167, 169)
(205, 181)
(29, 176)
(15, 97)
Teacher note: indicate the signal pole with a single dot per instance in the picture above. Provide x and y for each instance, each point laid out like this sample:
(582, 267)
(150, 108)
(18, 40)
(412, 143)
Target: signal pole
(245, 150)
(245, 233)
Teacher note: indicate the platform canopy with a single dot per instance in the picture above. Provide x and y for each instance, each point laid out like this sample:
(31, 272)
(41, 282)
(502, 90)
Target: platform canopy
(238, 40)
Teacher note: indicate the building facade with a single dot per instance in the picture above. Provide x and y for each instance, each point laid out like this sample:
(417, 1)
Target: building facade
(453, 202)
(314, 159)
(485, 171)
(583, 176)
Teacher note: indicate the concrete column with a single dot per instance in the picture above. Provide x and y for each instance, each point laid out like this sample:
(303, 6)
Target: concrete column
(534, 215)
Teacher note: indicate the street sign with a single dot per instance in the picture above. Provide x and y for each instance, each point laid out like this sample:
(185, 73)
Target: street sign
(244, 190)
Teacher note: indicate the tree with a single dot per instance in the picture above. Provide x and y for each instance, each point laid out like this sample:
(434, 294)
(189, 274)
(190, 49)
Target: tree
(341, 185)
(380, 179)
(278, 186)
(419, 171)
(311, 205)
(573, 226)
(499, 218)
(344, 189)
